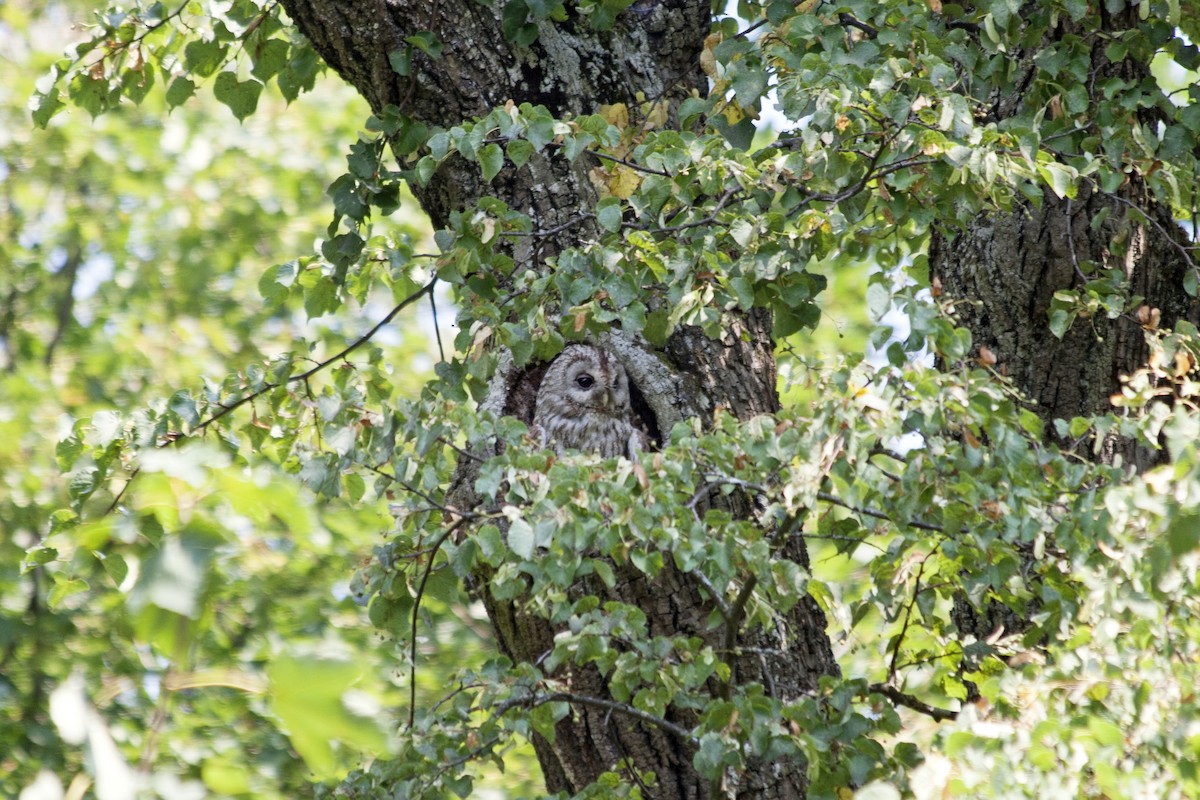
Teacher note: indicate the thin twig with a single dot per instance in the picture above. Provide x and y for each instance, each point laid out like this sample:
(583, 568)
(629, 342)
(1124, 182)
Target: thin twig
(117, 500)
(912, 601)
(437, 331)
(630, 164)
(1184, 251)
(412, 655)
(600, 702)
(1071, 244)
(870, 512)
(732, 626)
(64, 309)
(116, 47)
(908, 701)
(449, 511)
(303, 376)
(742, 34)
(542, 234)
(722, 605)
(854, 22)
(464, 453)
(711, 218)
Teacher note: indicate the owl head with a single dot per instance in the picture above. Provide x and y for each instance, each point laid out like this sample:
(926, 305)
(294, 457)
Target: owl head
(588, 377)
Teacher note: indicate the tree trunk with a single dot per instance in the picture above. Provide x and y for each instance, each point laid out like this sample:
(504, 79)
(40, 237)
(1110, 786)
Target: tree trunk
(1007, 266)
(652, 52)
(1012, 264)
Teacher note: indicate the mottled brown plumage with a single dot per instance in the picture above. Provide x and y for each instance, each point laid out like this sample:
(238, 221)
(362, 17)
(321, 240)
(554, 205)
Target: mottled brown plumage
(583, 404)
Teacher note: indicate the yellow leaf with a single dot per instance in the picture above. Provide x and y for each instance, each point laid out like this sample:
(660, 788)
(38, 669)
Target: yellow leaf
(599, 178)
(708, 61)
(655, 114)
(617, 114)
(624, 181)
(640, 472)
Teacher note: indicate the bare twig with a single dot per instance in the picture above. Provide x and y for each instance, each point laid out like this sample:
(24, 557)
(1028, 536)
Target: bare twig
(65, 307)
(870, 512)
(912, 601)
(1071, 244)
(733, 625)
(751, 29)
(711, 218)
(1183, 251)
(718, 598)
(908, 701)
(303, 376)
(853, 22)
(437, 331)
(542, 234)
(448, 511)
(630, 164)
(412, 655)
(600, 702)
(464, 453)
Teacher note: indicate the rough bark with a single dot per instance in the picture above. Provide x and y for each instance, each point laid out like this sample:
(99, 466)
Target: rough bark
(652, 51)
(1007, 266)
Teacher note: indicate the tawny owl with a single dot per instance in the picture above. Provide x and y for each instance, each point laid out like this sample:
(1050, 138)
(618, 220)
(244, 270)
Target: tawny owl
(583, 404)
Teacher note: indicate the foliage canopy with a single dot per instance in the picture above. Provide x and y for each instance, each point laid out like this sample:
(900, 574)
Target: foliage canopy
(227, 490)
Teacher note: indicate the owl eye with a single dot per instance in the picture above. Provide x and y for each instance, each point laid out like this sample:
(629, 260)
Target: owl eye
(585, 381)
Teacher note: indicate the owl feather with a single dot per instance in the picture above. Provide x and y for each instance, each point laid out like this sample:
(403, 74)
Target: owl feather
(583, 404)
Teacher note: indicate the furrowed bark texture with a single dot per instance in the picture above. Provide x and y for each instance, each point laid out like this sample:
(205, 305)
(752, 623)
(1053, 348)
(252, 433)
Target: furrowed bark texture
(1008, 266)
(1014, 263)
(652, 50)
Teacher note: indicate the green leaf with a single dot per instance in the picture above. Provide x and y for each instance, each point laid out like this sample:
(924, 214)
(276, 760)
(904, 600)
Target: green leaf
(45, 105)
(203, 58)
(300, 73)
(427, 42)
(519, 152)
(180, 90)
(225, 776)
(608, 214)
(521, 538)
(491, 160)
(308, 694)
(1105, 732)
(173, 578)
(514, 24)
(412, 137)
(1059, 177)
(240, 96)
(879, 300)
(749, 85)
(269, 57)
(401, 61)
(65, 588)
(1183, 533)
(1061, 321)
